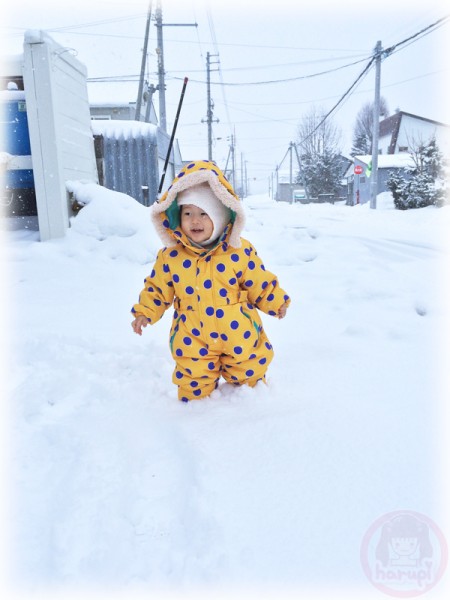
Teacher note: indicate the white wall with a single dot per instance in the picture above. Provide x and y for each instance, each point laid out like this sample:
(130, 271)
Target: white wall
(62, 145)
(414, 131)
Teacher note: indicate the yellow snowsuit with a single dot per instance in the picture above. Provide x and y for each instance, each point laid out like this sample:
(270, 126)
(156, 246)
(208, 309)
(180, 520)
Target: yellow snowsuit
(216, 329)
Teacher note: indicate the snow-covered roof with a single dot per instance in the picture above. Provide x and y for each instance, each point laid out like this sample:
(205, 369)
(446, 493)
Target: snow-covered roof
(388, 161)
(123, 129)
(12, 95)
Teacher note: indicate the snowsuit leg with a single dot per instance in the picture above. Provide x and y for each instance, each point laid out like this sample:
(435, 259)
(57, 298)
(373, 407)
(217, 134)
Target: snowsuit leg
(250, 369)
(197, 370)
(196, 378)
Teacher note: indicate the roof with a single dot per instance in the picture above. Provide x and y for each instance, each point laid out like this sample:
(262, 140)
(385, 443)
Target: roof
(388, 161)
(391, 124)
(123, 129)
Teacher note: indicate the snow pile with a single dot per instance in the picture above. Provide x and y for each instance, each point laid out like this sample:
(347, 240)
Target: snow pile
(119, 487)
(121, 224)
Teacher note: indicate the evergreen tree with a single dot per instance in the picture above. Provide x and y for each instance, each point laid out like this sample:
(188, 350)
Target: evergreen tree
(424, 184)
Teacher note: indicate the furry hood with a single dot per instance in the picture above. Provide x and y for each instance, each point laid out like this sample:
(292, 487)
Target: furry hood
(165, 212)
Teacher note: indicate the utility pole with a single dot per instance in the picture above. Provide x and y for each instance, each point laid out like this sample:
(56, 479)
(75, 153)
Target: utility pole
(160, 52)
(161, 73)
(290, 173)
(233, 163)
(300, 170)
(376, 128)
(209, 104)
(151, 89)
(276, 192)
(242, 177)
(137, 116)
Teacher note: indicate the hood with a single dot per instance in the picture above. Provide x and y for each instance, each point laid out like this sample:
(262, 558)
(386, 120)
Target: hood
(165, 212)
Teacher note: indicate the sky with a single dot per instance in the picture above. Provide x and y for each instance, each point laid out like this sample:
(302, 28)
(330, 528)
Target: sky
(267, 59)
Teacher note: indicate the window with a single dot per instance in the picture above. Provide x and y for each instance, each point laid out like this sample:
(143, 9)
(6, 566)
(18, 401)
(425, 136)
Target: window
(403, 148)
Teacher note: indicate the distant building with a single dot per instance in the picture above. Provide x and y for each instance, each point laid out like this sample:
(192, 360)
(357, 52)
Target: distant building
(121, 111)
(400, 135)
(359, 184)
(402, 132)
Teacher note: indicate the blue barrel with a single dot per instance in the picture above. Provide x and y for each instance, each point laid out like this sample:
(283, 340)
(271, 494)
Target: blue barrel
(17, 190)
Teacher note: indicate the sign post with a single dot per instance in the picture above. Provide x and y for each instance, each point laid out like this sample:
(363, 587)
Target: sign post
(357, 170)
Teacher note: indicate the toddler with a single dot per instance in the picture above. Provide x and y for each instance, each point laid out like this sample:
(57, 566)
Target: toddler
(216, 281)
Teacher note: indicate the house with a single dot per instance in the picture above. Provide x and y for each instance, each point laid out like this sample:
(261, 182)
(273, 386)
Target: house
(400, 135)
(360, 183)
(402, 132)
(120, 108)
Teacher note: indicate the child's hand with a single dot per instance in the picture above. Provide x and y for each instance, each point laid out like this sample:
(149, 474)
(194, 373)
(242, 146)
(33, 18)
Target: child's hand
(282, 311)
(138, 324)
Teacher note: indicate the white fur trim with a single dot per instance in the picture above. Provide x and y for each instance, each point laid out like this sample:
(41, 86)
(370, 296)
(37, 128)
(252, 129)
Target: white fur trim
(220, 191)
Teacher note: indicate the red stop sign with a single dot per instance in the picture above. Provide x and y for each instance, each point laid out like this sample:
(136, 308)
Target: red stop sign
(358, 169)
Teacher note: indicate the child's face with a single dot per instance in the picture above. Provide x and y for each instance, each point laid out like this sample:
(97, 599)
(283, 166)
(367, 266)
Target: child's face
(195, 223)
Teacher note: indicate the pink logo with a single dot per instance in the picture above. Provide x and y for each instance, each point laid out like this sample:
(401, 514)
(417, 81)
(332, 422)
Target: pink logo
(404, 554)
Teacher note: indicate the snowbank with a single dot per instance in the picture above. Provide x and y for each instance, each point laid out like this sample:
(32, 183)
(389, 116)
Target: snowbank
(118, 487)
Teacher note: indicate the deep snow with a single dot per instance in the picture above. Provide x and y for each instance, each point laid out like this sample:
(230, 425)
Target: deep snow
(115, 486)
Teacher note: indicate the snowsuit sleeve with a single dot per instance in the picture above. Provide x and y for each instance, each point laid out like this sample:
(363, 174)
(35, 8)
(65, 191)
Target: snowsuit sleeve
(158, 293)
(261, 285)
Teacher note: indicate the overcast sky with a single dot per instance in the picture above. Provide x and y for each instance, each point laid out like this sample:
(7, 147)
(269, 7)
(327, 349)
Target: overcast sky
(257, 43)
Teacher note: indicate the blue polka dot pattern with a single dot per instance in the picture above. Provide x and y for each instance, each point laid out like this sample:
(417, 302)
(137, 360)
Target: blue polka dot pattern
(216, 330)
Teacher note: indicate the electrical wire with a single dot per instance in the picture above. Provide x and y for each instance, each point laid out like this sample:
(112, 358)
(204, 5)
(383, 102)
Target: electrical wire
(298, 78)
(385, 53)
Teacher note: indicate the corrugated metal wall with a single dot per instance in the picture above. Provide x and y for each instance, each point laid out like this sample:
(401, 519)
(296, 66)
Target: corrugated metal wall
(130, 165)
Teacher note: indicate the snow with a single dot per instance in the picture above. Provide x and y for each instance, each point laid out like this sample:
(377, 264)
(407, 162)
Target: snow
(389, 161)
(12, 95)
(116, 487)
(126, 129)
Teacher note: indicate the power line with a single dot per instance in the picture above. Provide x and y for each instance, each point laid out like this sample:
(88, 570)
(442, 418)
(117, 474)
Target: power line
(310, 76)
(421, 33)
(385, 53)
(342, 98)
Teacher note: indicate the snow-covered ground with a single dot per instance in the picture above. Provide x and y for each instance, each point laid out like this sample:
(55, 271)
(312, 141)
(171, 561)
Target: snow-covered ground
(116, 487)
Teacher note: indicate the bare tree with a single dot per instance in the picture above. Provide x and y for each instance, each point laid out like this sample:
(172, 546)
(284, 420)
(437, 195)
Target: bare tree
(314, 137)
(319, 148)
(363, 128)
